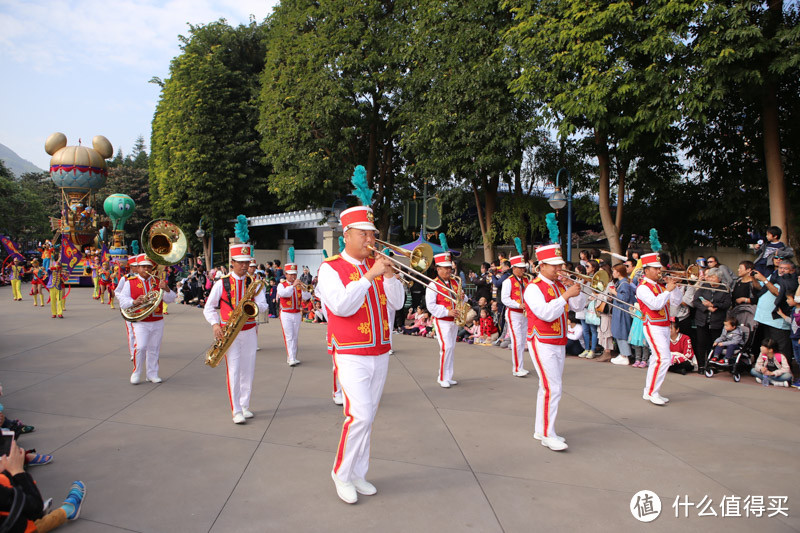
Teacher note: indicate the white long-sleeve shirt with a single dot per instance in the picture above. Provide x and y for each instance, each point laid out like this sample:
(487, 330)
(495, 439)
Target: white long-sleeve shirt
(505, 294)
(578, 305)
(547, 311)
(345, 301)
(436, 310)
(645, 294)
(287, 291)
(126, 302)
(212, 302)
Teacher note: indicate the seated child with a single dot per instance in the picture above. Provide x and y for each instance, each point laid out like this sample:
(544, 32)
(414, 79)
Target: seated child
(319, 316)
(469, 333)
(731, 339)
(488, 330)
(574, 335)
(771, 367)
(680, 347)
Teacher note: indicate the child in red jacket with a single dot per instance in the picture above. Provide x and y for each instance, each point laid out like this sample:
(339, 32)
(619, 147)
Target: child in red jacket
(489, 331)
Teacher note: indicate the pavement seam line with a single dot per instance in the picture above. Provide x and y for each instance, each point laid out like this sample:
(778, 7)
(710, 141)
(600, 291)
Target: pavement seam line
(455, 441)
(255, 450)
(60, 340)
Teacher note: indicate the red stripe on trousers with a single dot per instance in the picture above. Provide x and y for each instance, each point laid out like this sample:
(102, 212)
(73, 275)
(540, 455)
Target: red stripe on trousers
(513, 340)
(348, 420)
(442, 347)
(658, 358)
(546, 385)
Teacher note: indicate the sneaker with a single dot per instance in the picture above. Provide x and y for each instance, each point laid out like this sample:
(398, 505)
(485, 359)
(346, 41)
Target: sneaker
(758, 380)
(620, 360)
(796, 383)
(781, 383)
(713, 360)
(538, 436)
(345, 489)
(444, 384)
(554, 444)
(452, 382)
(338, 399)
(521, 373)
(590, 354)
(247, 413)
(238, 418)
(655, 399)
(74, 501)
(364, 487)
(583, 353)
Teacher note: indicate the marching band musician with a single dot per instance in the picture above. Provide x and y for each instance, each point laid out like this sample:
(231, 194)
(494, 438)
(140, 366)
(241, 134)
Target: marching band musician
(444, 312)
(653, 300)
(546, 302)
(240, 361)
(357, 291)
(511, 295)
(292, 296)
(147, 332)
(133, 266)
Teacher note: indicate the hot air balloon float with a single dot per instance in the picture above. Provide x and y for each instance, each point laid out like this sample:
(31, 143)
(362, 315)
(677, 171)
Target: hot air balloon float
(78, 171)
(119, 208)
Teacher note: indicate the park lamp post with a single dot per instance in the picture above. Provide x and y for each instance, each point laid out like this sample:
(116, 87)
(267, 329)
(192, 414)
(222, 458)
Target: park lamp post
(200, 234)
(558, 200)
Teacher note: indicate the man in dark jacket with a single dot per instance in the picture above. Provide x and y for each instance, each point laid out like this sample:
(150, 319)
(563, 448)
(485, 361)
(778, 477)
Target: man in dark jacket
(483, 283)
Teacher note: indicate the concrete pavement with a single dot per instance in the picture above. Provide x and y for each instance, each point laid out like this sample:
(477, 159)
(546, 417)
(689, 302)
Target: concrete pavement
(168, 458)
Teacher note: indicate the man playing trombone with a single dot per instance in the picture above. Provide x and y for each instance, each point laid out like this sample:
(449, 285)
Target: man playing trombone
(357, 290)
(654, 302)
(511, 295)
(292, 294)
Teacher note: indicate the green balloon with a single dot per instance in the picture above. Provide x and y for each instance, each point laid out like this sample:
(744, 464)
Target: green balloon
(119, 208)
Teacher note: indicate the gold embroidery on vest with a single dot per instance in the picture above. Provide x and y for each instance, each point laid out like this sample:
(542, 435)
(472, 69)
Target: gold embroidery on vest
(383, 299)
(364, 327)
(355, 276)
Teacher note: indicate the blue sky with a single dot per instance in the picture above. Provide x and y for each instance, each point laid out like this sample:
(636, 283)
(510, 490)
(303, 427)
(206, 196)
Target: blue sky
(82, 67)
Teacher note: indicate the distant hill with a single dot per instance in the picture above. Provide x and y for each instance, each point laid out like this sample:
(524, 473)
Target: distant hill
(15, 163)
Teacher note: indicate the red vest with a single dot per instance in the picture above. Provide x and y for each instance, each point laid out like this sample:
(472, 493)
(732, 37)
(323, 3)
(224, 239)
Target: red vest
(554, 332)
(367, 331)
(517, 289)
(140, 287)
(230, 299)
(441, 287)
(292, 303)
(659, 317)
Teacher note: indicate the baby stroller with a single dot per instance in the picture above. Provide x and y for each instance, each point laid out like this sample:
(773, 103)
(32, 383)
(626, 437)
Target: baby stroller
(742, 359)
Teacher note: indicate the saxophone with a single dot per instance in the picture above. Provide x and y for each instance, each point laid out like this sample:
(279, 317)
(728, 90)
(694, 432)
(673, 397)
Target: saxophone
(462, 307)
(245, 309)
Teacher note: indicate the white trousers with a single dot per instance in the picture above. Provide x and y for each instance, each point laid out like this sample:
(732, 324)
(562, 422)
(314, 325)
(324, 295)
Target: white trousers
(337, 387)
(147, 345)
(660, 357)
(518, 326)
(290, 324)
(446, 331)
(240, 362)
(391, 315)
(362, 378)
(131, 337)
(548, 360)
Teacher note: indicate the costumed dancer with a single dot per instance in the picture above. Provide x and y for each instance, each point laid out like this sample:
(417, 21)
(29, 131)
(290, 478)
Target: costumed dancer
(47, 253)
(546, 304)
(511, 295)
(133, 266)
(653, 301)
(103, 282)
(358, 290)
(38, 282)
(17, 267)
(94, 263)
(240, 361)
(55, 284)
(149, 331)
(116, 276)
(443, 310)
(292, 296)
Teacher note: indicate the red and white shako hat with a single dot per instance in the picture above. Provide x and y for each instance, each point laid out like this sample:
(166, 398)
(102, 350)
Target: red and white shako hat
(252, 262)
(517, 261)
(133, 261)
(290, 268)
(443, 260)
(359, 217)
(143, 260)
(651, 260)
(549, 254)
(241, 252)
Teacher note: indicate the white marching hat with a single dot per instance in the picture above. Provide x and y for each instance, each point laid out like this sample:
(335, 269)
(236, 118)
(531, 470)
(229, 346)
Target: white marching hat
(359, 217)
(651, 260)
(241, 252)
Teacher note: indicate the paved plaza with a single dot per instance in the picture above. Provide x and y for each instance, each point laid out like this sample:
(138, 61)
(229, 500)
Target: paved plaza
(167, 457)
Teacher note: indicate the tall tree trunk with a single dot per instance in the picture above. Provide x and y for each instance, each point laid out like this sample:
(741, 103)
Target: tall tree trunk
(772, 156)
(610, 229)
(486, 211)
(622, 173)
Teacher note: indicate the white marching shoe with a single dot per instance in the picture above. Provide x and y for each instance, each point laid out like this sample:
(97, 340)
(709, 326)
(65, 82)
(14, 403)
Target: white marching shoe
(538, 436)
(452, 382)
(238, 418)
(662, 398)
(521, 373)
(135, 380)
(444, 384)
(345, 490)
(554, 444)
(655, 399)
(338, 399)
(247, 413)
(364, 487)
(294, 363)
(155, 380)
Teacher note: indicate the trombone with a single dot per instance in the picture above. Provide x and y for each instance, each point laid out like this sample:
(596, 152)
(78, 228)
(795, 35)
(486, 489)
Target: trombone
(690, 275)
(597, 284)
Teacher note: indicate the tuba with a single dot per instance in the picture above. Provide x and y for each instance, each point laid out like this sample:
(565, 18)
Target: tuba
(165, 244)
(245, 309)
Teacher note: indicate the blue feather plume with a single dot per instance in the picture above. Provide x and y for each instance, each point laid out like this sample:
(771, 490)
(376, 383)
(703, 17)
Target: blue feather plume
(241, 231)
(443, 241)
(655, 244)
(341, 244)
(362, 190)
(291, 254)
(552, 227)
(518, 244)
(135, 248)
(325, 253)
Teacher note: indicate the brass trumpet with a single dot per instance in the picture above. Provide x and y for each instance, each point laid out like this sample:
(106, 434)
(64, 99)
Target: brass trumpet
(597, 285)
(690, 275)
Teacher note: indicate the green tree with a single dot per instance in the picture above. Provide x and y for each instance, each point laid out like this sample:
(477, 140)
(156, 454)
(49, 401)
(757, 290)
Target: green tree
(328, 99)
(461, 125)
(612, 71)
(23, 213)
(205, 159)
(749, 52)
